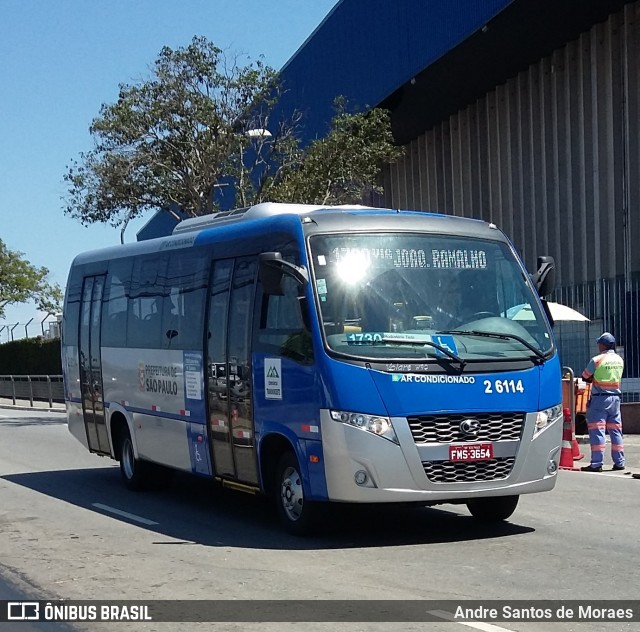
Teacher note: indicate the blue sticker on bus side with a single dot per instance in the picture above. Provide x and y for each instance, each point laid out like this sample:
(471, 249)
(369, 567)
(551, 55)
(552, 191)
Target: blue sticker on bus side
(198, 449)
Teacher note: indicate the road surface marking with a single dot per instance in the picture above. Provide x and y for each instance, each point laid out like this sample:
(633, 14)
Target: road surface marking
(477, 625)
(124, 514)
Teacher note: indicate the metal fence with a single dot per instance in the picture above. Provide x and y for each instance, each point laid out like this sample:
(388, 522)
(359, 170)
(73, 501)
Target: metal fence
(47, 389)
(611, 305)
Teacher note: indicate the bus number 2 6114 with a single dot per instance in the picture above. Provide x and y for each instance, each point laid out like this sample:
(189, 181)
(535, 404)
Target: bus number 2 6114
(503, 386)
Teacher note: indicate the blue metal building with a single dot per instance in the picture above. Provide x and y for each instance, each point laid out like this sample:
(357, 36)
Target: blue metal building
(365, 50)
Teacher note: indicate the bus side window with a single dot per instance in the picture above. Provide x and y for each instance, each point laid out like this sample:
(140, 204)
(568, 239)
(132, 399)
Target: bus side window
(184, 301)
(144, 320)
(282, 331)
(114, 304)
(71, 321)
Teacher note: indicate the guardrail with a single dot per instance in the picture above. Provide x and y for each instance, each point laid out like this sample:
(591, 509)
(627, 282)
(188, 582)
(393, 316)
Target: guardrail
(35, 388)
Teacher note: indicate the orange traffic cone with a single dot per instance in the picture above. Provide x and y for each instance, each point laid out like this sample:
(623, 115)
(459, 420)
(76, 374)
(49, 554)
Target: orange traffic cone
(577, 455)
(566, 452)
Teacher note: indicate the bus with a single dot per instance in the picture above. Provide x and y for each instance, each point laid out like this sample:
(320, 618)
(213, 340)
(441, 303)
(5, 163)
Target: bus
(319, 355)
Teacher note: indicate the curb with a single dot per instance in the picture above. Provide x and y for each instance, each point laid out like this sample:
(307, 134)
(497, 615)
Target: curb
(33, 408)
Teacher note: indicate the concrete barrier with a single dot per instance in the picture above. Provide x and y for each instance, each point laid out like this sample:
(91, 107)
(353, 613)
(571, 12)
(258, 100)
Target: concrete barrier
(630, 417)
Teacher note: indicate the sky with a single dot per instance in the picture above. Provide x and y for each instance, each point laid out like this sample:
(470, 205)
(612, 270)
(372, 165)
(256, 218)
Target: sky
(60, 60)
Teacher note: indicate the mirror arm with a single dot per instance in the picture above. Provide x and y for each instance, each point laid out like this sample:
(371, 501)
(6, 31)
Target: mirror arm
(273, 267)
(299, 273)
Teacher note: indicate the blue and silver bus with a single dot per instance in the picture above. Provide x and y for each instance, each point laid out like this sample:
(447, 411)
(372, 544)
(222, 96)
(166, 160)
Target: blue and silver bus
(319, 354)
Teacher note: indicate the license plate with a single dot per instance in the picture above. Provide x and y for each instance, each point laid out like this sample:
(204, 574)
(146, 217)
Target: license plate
(471, 452)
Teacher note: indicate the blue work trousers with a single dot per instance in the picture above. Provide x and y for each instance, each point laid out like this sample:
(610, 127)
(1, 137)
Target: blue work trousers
(603, 417)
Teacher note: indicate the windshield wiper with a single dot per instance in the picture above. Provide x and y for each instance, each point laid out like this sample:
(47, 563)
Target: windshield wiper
(425, 343)
(492, 334)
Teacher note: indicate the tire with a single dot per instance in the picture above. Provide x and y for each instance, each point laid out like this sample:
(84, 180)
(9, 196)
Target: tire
(493, 509)
(296, 514)
(135, 473)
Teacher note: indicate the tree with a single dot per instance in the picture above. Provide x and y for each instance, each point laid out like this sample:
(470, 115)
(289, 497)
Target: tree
(20, 282)
(344, 166)
(173, 139)
(197, 130)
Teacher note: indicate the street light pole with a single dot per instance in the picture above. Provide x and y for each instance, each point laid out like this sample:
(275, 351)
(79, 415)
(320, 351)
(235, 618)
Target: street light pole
(259, 137)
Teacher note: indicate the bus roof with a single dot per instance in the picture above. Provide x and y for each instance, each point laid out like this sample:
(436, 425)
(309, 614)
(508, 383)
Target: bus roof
(265, 209)
(311, 219)
(339, 217)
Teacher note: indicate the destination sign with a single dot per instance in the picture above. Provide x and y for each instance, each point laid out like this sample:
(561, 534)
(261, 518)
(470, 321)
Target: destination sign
(459, 259)
(406, 258)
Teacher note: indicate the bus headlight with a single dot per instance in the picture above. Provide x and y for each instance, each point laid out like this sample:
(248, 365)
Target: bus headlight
(375, 424)
(546, 417)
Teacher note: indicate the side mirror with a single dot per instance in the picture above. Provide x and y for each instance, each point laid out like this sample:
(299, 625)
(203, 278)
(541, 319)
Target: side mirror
(545, 278)
(272, 268)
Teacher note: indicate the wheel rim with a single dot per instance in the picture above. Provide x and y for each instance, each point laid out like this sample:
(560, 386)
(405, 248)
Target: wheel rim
(128, 458)
(291, 493)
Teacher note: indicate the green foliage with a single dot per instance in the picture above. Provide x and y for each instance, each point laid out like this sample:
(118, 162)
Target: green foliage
(31, 356)
(20, 282)
(173, 139)
(345, 165)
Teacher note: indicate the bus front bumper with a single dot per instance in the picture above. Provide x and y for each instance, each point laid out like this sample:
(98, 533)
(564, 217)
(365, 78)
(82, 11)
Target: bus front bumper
(363, 467)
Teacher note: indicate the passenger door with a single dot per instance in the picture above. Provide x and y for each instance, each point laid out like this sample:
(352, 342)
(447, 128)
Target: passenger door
(229, 387)
(91, 366)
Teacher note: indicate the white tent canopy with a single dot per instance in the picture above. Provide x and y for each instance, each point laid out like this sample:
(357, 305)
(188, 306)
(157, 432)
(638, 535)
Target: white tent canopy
(559, 312)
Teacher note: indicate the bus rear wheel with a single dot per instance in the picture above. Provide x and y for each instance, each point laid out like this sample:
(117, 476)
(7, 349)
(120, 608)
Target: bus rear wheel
(493, 509)
(135, 473)
(297, 514)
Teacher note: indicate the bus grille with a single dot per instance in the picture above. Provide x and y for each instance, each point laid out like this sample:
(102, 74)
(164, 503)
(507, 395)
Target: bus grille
(446, 428)
(468, 472)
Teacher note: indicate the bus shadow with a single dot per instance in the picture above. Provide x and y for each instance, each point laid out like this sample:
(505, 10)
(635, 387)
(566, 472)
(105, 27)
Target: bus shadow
(197, 511)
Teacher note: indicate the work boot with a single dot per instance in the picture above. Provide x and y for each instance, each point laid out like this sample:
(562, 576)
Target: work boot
(590, 468)
(617, 468)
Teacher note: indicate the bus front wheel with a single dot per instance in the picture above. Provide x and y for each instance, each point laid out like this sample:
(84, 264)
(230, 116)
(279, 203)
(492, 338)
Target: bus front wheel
(134, 471)
(493, 509)
(296, 513)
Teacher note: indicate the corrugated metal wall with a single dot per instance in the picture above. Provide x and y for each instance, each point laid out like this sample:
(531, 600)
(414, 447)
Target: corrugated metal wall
(553, 158)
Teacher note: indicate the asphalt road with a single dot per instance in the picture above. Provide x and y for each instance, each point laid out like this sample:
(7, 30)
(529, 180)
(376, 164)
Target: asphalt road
(68, 529)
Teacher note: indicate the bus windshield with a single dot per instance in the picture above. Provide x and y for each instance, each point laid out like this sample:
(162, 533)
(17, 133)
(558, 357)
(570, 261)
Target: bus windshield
(409, 297)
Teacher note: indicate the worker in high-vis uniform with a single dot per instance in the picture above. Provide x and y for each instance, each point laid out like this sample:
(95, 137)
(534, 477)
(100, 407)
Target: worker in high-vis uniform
(604, 371)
